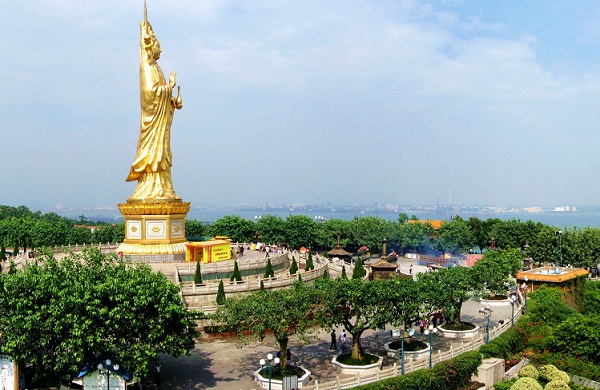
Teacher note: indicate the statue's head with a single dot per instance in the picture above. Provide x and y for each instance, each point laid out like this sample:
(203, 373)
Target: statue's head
(151, 44)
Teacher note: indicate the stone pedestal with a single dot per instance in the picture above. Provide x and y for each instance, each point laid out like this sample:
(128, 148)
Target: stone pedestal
(154, 228)
(490, 371)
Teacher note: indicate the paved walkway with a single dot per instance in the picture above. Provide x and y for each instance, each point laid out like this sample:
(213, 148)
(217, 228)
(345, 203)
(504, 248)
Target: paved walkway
(225, 364)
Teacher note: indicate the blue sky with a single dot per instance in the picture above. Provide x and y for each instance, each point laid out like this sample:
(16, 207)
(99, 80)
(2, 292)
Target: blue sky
(350, 101)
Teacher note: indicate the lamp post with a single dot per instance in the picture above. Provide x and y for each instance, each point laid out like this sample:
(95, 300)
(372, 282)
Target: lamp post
(105, 368)
(269, 366)
(320, 219)
(559, 244)
(524, 286)
(486, 311)
(512, 300)
(430, 332)
(402, 355)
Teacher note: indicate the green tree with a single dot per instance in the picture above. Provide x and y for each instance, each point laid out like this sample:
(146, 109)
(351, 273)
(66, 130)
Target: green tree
(12, 267)
(286, 312)
(194, 228)
(109, 233)
(300, 231)
(357, 306)
(234, 227)
(514, 233)
(578, 335)
(198, 274)
(328, 233)
(236, 275)
(271, 228)
(79, 236)
(591, 298)
(449, 288)
(455, 236)
(2, 253)
(543, 245)
(546, 306)
(309, 262)
(343, 274)
(269, 273)
(415, 236)
(358, 272)
(221, 294)
(58, 315)
(262, 286)
(407, 301)
(371, 230)
(293, 266)
(325, 273)
(495, 268)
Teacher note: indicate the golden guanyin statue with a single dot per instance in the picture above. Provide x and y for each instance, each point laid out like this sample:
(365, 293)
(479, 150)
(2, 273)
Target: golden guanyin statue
(152, 164)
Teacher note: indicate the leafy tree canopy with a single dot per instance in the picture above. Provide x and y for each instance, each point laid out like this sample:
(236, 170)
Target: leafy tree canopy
(58, 315)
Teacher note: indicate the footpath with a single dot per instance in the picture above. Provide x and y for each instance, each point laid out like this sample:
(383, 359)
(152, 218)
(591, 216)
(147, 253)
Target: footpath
(225, 364)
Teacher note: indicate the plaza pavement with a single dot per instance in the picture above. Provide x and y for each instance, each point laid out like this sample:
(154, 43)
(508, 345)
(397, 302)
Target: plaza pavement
(226, 365)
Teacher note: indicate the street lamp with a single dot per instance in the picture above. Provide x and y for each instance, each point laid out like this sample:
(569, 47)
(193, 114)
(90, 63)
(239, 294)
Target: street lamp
(512, 300)
(559, 244)
(105, 368)
(524, 286)
(486, 311)
(320, 218)
(430, 332)
(269, 367)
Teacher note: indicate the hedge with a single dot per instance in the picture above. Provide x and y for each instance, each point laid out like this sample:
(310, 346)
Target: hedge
(445, 375)
(512, 341)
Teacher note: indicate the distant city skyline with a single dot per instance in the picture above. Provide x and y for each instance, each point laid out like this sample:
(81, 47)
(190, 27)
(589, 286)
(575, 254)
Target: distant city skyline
(348, 102)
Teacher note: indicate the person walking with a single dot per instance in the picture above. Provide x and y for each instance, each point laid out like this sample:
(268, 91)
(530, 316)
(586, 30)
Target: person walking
(342, 342)
(333, 345)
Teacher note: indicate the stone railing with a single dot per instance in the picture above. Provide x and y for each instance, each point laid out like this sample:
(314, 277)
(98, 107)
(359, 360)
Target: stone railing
(414, 365)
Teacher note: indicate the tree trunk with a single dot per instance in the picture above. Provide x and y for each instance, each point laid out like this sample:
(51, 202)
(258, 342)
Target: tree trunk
(356, 346)
(283, 345)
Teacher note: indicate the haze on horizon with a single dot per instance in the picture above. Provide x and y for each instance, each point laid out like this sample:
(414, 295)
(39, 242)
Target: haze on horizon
(353, 101)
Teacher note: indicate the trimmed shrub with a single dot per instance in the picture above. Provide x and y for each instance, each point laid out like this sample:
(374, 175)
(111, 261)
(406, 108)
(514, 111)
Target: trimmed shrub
(557, 385)
(236, 275)
(309, 262)
(573, 364)
(198, 274)
(549, 373)
(293, 266)
(511, 341)
(221, 293)
(325, 274)
(526, 384)
(343, 275)
(269, 273)
(450, 374)
(529, 371)
(359, 270)
(505, 385)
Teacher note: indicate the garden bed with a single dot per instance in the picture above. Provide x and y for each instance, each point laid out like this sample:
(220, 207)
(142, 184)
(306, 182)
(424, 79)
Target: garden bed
(461, 331)
(277, 377)
(352, 369)
(414, 350)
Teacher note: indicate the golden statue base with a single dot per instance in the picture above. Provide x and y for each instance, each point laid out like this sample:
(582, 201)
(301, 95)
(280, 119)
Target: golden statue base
(154, 228)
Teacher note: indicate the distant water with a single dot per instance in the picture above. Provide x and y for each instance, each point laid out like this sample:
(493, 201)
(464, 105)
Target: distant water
(580, 219)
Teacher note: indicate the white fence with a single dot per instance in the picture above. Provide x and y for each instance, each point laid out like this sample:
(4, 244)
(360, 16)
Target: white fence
(414, 365)
(203, 297)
